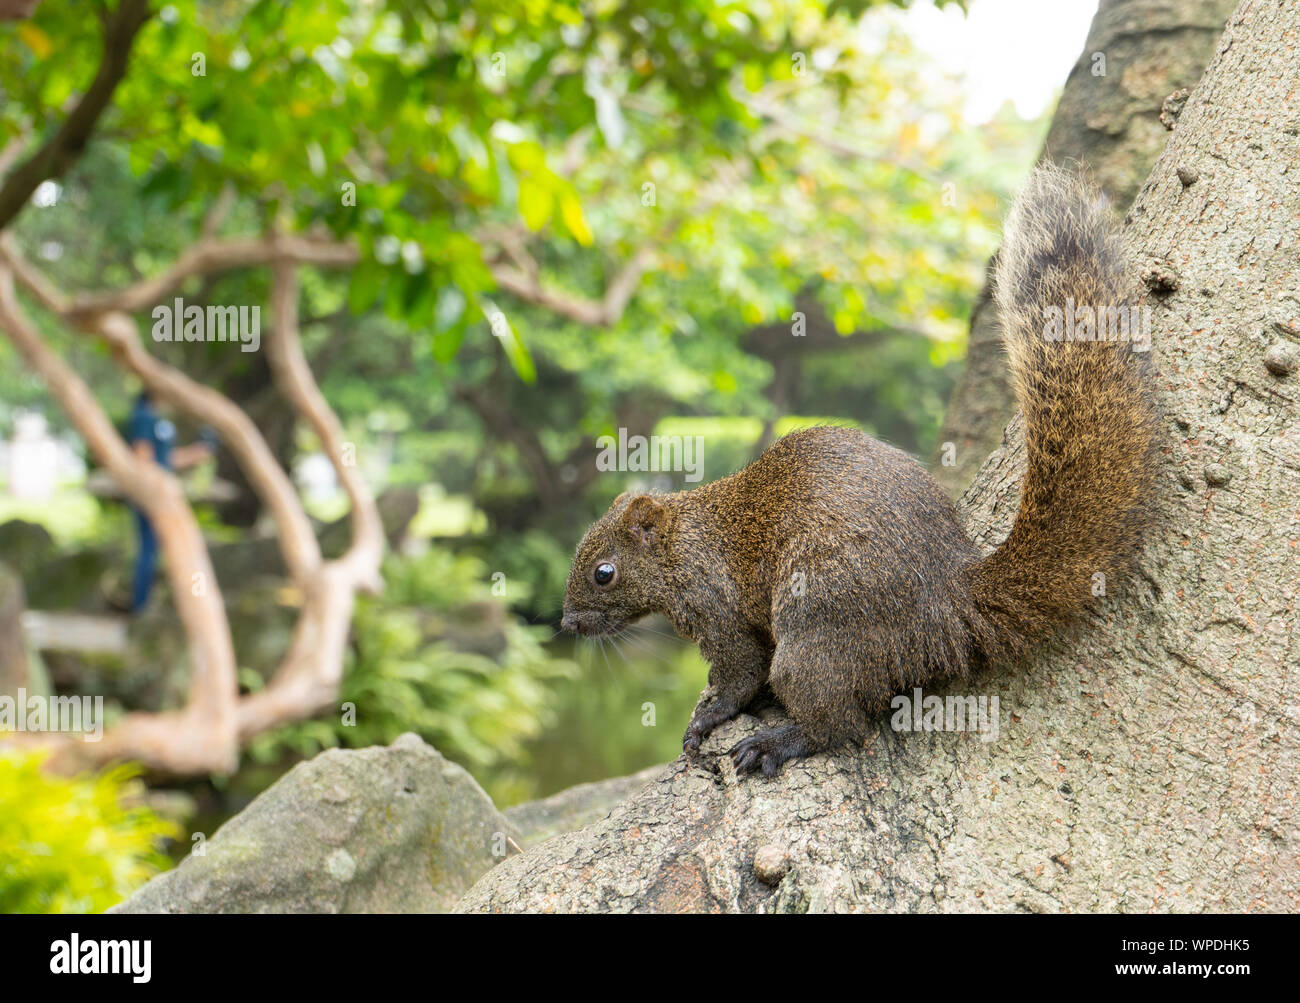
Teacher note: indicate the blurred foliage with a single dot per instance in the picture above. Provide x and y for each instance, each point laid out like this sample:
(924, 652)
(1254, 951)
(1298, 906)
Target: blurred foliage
(446, 117)
(786, 146)
(800, 146)
(71, 515)
(73, 845)
(407, 672)
(625, 710)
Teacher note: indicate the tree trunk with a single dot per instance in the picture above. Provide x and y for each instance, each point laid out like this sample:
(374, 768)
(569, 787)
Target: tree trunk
(1109, 121)
(1148, 763)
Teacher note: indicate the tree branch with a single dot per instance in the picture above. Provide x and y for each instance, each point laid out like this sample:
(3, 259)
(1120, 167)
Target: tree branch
(213, 255)
(201, 737)
(17, 10)
(63, 149)
(294, 377)
(307, 680)
(298, 544)
(527, 286)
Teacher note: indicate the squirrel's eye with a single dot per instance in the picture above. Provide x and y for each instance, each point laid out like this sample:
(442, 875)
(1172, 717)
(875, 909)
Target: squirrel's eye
(605, 573)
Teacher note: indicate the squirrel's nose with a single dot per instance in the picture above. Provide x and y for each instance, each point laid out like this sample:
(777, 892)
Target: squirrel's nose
(583, 622)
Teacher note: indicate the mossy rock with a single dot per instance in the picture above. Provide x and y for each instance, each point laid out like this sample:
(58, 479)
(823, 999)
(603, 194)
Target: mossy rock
(383, 829)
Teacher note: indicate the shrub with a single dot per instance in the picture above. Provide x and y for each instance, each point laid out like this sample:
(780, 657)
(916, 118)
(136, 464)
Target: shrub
(73, 845)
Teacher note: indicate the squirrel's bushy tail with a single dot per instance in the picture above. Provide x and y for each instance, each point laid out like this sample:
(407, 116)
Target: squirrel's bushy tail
(1089, 413)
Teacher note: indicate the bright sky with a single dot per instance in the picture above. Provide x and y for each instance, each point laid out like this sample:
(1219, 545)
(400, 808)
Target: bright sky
(1021, 50)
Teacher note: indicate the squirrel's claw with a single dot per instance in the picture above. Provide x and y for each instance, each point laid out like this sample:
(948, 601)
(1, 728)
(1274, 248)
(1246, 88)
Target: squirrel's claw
(768, 749)
(748, 756)
(706, 718)
(693, 737)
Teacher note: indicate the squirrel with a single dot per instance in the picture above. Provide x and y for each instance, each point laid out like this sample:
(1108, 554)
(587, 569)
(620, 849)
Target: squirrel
(892, 594)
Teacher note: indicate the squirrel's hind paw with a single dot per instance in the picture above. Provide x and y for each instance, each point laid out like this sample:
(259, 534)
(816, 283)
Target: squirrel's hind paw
(768, 749)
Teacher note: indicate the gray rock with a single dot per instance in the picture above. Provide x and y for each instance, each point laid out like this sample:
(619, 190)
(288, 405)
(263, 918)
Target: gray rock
(577, 806)
(770, 864)
(1282, 358)
(13, 649)
(383, 829)
(27, 546)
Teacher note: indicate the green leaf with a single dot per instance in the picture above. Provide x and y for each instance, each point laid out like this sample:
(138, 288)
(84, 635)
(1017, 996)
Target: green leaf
(447, 342)
(450, 308)
(535, 202)
(517, 353)
(574, 221)
(368, 280)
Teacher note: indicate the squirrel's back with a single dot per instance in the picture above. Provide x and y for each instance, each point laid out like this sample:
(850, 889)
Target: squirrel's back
(829, 485)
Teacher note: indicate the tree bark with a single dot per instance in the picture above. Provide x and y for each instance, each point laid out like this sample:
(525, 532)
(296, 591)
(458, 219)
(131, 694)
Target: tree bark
(17, 10)
(1110, 122)
(1147, 763)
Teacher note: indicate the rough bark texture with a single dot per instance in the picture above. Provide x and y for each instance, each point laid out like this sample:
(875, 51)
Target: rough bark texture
(1148, 763)
(1111, 123)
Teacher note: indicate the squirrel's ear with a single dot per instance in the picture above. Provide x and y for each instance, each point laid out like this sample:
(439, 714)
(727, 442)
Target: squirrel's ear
(645, 519)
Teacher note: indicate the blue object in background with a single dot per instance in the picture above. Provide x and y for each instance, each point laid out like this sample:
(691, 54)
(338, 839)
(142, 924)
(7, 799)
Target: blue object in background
(147, 425)
(145, 562)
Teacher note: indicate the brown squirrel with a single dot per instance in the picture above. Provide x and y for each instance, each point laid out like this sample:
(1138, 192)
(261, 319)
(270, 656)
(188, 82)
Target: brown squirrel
(891, 593)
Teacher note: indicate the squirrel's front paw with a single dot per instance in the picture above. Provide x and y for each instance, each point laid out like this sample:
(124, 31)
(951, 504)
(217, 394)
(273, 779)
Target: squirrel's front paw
(696, 732)
(704, 720)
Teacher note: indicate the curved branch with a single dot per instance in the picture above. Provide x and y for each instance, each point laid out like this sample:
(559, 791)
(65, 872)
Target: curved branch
(210, 256)
(202, 736)
(307, 680)
(294, 377)
(298, 544)
(63, 149)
